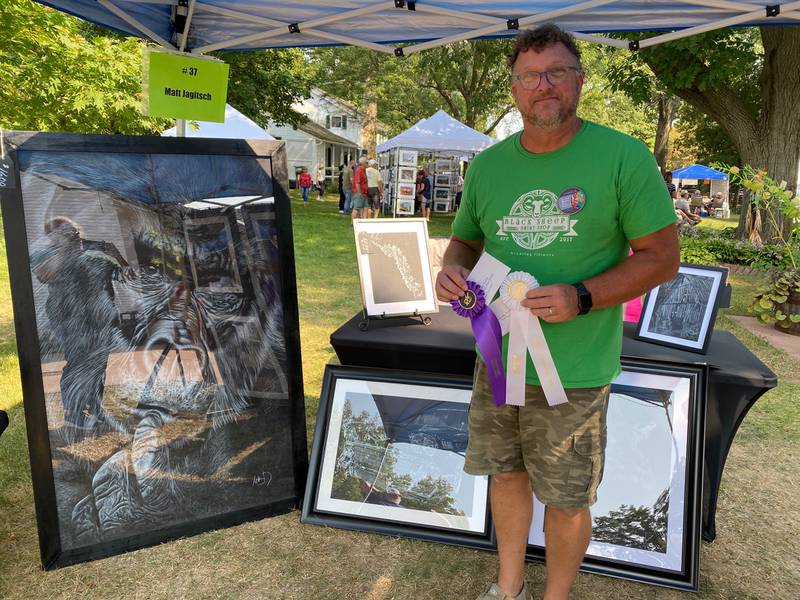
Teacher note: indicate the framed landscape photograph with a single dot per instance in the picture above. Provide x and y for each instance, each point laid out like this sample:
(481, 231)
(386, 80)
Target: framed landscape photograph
(405, 206)
(681, 312)
(443, 164)
(441, 193)
(155, 302)
(388, 457)
(441, 206)
(408, 158)
(646, 524)
(407, 174)
(441, 180)
(394, 267)
(406, 190)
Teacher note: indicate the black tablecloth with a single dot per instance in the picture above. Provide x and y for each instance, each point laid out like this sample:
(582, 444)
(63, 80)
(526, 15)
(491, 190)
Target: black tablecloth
(736, 377)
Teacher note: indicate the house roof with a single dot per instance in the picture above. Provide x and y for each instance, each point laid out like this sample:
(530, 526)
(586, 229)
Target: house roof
(318, 131)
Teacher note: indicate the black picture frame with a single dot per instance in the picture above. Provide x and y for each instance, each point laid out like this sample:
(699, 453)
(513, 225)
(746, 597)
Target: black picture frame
(415, 419)
(681, 313)
(222, 174)
(668, 553)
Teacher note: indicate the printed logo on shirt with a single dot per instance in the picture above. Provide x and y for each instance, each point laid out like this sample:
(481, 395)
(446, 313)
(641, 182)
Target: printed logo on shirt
(536, 220)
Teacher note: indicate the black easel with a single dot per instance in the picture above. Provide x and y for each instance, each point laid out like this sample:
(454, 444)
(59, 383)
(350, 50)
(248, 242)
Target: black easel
(365, 318)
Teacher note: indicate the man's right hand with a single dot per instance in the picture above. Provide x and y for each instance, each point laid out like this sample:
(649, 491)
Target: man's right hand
(451, 283)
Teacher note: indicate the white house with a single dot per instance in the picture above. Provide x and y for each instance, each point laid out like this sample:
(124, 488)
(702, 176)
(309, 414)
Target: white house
(331, 137)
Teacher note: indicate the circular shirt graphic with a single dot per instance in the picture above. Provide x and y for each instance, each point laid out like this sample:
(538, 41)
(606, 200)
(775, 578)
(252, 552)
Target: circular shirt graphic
(537, 205)
(571, 200)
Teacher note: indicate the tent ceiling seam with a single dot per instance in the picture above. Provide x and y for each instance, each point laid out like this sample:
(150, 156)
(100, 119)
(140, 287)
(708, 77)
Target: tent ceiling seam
(117, 11)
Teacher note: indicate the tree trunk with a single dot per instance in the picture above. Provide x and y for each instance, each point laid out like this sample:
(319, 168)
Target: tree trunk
(667, 106)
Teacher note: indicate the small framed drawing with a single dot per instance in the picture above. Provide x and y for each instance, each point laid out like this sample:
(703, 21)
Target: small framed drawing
(408, 158)
(394, 266)
(405, 206)
(443, 164)
(646, 523)
(388, 457)
(441, 206)
(407, 174)
(406, 190)
(681, 312)
(441, 193)
(441, 180)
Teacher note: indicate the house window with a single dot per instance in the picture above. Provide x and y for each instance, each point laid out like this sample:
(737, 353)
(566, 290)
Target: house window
(336, 121)
(328, 121)
(344, 121)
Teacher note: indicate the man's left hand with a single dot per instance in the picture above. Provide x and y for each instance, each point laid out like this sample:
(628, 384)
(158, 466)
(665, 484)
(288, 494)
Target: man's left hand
(553, 303)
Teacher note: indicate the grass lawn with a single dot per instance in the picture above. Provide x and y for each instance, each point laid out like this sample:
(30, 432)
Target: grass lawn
(754, 557)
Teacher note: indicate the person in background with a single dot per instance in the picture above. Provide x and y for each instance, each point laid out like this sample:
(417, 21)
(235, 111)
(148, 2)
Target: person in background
(374, 189)
(321, 181)
(304, 183)
(670, 186)
(347, 185)
(360, 190)
(420, 185)
(684, 211)
(427, 185)
(459, 186)
(341, 189)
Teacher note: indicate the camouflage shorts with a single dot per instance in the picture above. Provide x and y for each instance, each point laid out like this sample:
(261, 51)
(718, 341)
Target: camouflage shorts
(562, 447)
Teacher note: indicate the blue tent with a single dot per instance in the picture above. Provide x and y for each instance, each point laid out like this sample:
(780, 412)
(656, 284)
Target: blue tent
(211, 25)
(698, 172)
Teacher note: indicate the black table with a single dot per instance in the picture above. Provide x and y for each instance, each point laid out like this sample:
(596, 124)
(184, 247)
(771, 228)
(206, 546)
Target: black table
(736, 377)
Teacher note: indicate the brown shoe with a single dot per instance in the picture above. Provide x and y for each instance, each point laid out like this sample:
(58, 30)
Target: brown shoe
(495, 593)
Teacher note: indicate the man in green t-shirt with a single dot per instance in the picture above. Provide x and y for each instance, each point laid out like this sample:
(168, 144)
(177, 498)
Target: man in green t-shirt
(562, 200)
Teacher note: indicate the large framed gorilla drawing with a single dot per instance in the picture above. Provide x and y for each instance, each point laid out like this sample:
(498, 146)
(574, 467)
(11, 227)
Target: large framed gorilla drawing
(156, 315)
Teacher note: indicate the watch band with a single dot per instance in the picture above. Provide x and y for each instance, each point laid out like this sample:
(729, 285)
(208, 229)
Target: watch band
(584, 298)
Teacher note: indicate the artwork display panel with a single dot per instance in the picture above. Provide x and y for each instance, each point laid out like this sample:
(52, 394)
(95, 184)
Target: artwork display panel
(408, 158)
(153, 284)
(394, 267)
(407, 174)
(405, 206)
(681, 312)
(444, 164)
(388, 457)
(406, 190)
(441, 206)
(441, 180)
(647, 519)
(441, 193)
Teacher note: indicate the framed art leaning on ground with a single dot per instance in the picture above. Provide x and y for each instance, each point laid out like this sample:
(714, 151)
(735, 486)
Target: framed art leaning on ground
(155, 303)
(388, 457)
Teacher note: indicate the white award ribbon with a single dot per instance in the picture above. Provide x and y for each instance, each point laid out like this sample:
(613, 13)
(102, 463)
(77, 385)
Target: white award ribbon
(525, 336)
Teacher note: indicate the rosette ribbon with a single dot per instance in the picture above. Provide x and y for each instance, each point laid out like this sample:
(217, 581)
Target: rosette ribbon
(525, 336)
(488, 336)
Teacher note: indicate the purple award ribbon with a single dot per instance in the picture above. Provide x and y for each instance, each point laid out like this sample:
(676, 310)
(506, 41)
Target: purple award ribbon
(487, 332)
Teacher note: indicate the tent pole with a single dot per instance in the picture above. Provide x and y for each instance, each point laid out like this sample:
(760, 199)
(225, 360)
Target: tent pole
(180, 127)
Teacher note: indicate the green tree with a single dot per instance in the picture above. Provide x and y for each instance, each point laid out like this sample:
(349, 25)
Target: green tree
(264, 84)
(746, 80)
(58, 73)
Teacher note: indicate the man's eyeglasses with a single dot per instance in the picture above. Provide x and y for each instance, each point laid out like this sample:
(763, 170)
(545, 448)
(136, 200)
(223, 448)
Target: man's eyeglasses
(530, 80)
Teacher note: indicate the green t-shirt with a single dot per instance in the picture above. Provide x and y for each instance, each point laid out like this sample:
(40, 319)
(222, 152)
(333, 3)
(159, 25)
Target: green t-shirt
(565, 216)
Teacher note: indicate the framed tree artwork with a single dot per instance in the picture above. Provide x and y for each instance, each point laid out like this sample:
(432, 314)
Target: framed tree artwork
(388, 457)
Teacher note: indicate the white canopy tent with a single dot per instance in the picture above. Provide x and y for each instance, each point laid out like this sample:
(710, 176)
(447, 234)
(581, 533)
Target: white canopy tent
(439, 133)
(236, 126)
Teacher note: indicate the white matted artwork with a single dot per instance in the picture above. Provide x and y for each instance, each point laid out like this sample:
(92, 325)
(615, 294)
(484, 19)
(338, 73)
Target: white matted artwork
(406, 190)
(407, 174)
(441, 206)
(648, 504)
(681, 312)
(443, 164)
(408, 158)
(401, 442)
(405, 206)
(441, 180)
(394, 267)
(441, 193)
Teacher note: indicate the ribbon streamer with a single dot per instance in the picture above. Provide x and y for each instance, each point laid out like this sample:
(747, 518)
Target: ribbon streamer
(486, 329)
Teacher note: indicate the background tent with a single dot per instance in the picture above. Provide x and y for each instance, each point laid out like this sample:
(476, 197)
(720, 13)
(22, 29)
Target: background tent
(698, 172)
(376, 24)
(236, 126)
(440, 133)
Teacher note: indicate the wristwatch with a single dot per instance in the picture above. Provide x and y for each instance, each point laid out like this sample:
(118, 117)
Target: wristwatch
(584, 298)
